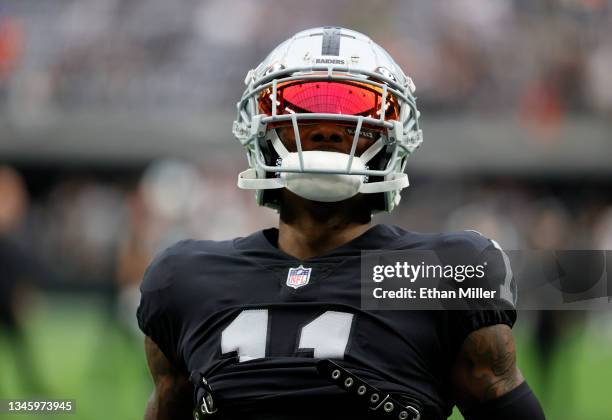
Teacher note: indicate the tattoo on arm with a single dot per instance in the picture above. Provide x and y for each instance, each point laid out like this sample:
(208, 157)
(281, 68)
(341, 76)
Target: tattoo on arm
(486, 367)
(171, 398)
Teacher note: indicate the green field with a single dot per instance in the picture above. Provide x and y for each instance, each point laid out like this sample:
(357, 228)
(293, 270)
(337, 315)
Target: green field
(79, 353)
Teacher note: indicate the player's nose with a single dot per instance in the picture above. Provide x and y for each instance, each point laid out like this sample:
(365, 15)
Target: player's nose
(331, 133)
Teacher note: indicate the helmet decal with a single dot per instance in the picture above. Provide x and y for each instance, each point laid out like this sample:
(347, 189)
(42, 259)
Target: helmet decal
(330, 44)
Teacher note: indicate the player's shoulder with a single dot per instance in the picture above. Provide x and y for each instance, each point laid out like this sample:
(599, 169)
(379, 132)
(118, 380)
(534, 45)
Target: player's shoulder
(189, 248)
(181, 259)
(465, 240)
(468, 240)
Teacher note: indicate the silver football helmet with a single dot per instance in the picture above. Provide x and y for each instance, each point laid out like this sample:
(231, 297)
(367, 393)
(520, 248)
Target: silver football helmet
(319, 75)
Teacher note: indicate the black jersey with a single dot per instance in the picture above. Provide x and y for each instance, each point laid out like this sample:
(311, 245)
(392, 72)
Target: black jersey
(254, 321)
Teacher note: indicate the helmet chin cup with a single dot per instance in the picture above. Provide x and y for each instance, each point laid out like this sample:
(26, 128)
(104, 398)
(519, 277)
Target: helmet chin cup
(324, 186)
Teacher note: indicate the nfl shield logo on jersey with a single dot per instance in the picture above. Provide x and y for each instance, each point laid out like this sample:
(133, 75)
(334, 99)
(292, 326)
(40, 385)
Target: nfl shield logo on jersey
(298, 277)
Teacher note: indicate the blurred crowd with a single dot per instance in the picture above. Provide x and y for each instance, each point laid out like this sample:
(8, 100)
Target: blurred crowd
(94, 231)
(539, 59)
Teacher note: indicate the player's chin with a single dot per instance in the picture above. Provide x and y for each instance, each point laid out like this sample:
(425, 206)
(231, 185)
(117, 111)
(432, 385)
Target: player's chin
(356, 209)
(289, 196)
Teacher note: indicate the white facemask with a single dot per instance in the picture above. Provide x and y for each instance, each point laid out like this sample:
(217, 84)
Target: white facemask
(324, 187)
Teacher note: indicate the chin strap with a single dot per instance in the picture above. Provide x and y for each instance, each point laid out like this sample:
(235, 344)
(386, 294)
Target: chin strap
(247, 180)
(278, 145)
(373, 150)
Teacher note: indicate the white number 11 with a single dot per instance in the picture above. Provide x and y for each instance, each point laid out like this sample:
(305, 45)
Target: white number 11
(328, 334)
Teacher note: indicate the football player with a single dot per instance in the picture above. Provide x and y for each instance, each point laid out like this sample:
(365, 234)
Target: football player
(270, 326)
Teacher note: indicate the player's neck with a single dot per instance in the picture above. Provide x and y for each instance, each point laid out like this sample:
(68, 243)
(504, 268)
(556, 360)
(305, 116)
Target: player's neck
(307, 229)
(303, 242)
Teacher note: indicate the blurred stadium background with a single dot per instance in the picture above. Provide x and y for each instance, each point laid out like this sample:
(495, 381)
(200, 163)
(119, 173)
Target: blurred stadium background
(115, 141)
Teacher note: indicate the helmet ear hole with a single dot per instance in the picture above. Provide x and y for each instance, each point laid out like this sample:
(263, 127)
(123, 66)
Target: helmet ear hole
(269, 154)
(380, 160)
(269, 198)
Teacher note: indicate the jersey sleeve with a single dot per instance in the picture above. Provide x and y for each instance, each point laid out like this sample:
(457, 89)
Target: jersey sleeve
(159, 315)
(497, 277)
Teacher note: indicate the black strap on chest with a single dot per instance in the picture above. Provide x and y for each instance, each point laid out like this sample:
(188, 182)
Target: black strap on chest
(382, 403)
(378, 404)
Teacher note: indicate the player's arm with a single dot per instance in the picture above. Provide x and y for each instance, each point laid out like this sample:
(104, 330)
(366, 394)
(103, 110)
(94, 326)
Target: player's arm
(487, 382)
(171, 398)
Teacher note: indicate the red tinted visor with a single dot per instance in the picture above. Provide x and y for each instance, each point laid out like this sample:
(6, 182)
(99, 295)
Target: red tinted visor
(343, 98)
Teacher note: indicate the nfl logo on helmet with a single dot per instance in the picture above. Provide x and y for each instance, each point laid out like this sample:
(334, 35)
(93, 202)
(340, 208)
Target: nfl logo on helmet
(298, 277)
